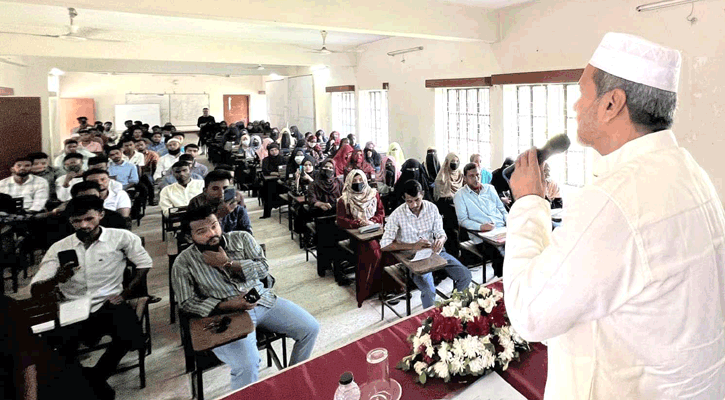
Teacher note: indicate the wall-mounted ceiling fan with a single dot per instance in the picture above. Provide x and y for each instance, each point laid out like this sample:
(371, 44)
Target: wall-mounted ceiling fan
(74, 32)
(325, 50)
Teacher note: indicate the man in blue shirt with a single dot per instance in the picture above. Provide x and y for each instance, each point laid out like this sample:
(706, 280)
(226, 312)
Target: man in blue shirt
(157, 144)
(479, 208)
(122, 171)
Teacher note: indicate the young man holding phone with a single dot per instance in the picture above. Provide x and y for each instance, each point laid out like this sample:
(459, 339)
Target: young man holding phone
(220, 273)
(91, 264)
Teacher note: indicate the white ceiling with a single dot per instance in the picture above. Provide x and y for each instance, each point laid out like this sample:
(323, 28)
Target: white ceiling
(53, 20)
(494, 4)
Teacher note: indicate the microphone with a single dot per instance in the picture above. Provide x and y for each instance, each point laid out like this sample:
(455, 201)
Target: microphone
(557, 144)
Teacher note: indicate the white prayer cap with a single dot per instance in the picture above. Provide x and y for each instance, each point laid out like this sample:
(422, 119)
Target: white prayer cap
(173, 140)
(638, 60)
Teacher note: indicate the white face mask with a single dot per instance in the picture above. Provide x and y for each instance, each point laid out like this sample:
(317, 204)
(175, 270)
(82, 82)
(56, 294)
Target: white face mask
(299, 159)
(245, 142)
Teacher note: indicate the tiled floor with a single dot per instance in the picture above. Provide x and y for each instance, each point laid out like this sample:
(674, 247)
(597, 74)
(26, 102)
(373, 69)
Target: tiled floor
(334, 307)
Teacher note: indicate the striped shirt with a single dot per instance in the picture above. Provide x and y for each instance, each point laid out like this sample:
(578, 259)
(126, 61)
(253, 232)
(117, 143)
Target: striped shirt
(199, 287)
(405, 227)
(34, 191)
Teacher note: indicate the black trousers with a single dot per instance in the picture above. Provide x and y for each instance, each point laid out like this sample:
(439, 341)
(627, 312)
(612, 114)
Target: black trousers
(270, 191)
(450, 225)
(118, 321)
(495, 254)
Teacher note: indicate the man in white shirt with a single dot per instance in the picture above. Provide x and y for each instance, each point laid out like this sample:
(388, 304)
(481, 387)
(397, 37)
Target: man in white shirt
(71, 146)
(33, 189)
(628, 292)
(73, 163)
(113, 200)
(173, 147)
(417, 225)
(132, 156)
(102, 255)
(101, 162)
(179, 194)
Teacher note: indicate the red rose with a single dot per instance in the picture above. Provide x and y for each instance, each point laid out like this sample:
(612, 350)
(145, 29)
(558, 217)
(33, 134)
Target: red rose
(478, 327)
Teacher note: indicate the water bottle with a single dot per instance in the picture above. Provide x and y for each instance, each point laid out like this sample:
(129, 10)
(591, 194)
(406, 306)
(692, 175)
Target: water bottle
(348, 389)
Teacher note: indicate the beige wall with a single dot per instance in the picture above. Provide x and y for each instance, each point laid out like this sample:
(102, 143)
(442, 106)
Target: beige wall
(110, 90)
(550, 35)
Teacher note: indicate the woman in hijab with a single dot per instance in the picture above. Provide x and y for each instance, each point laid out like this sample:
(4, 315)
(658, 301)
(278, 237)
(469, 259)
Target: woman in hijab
(260, 146)
(295, 162)
(357, 161)
(285, 143)
(411, 169)
(396, 152)
(270, 167)
(342, 157)
(336, 136)
(372, 156)
(447, 183)
(320, 136)
(391, 171)
(324, 191)
(352, 141)
(246, 149)
(331, 148)
(314, 149)
(432, 165)
(303, 177)
(360, 205)
(296, 134)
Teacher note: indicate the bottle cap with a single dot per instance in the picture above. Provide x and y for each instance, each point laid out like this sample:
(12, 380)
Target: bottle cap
(346, 378)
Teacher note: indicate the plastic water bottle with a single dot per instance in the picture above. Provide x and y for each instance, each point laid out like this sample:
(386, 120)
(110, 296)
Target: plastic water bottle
(348, 389)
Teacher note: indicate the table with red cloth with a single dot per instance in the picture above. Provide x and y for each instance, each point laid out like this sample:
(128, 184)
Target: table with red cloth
(317, 378)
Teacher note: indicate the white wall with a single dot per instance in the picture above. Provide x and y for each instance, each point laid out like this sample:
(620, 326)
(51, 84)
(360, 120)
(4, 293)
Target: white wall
(548, 35)
(109, 90)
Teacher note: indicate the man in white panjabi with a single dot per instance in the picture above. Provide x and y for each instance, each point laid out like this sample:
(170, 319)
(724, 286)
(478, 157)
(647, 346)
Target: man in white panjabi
(629, 293)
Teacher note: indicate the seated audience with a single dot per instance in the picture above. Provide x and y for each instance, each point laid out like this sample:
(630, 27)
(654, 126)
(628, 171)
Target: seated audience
(157, 144)
(479, 208)
(324, 191)
(213, 275)
(128, 146)
(372, 157)
(285, 144)
(417, 225)
(71, 146)
(198, 168)
(331, 148)
(411, 169)
(111, 218)
(122, 171)
(182, 191)
(485, 174)
(553, 195)
(246, 148)
(320, 136)
(219, 193)
(431, 165)
(116, 200)
(387, 178)
(357, 161)
(101, 162)
(87, 143)
(303, 177)
(173, 147)
(447, 183)
(500, 183)
(103, 254)
(33, 189)
(73, 163)
(395, 151)
(169, 178)
(352, 141)
(342, 158)
(360, 205)
(43, 169)
(270, 190)
(294, 163)
(314, 149)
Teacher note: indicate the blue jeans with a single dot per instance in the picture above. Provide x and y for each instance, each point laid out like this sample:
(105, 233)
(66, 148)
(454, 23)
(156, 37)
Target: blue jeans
(461, 279)
(285, 317)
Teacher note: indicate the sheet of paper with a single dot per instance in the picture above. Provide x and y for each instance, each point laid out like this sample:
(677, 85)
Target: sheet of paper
(489, 387)
(43, 327)
(74, 311)
(495, 233)
(422, 254)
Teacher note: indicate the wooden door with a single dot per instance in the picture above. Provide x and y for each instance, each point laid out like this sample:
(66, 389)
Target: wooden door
(236, 108)
(71, 109)
(20, 130)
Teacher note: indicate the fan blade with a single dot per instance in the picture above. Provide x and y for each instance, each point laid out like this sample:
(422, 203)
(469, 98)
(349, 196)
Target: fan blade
(2, 60)
(106, 40)
(30, 34)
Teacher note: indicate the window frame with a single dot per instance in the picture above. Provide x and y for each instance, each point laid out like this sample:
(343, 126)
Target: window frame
(475, 138)
(374, 117)
(344, 112)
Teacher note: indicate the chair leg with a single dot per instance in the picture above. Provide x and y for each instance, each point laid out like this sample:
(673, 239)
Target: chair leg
(142, 366)
(269, 354)
(284, 351)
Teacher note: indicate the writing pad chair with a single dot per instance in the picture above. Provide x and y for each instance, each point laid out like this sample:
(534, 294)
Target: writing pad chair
(171, 222)
(471, 256)
(181, 244)
(327, 236)
(139, 301)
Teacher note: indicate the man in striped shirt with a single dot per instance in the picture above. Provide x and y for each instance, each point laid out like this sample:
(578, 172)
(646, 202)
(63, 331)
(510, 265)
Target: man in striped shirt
(213, 275)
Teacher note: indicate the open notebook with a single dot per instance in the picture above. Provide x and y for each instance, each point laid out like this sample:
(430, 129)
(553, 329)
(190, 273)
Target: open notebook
(74, 311)
(497, 234)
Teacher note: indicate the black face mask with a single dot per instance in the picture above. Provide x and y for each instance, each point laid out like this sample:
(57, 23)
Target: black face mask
(454, 166)
(358, 187)
(174, 152)
(326, 173)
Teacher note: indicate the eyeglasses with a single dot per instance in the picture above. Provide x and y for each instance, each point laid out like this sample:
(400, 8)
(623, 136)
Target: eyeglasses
(219, 326)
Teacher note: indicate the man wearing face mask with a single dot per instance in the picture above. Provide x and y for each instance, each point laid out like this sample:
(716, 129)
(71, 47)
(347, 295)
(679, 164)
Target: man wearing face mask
(478, 208)
(173, 147)
(73, 163)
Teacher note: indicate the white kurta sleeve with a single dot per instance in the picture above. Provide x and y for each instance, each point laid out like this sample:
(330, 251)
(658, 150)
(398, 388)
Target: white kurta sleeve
(582, 271)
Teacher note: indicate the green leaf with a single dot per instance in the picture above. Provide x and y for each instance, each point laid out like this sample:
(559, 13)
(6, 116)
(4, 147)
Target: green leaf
(423, 378)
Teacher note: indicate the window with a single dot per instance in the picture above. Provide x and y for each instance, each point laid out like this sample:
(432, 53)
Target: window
(343, 112)
(467, 124)
(374, 117)
(533, 114)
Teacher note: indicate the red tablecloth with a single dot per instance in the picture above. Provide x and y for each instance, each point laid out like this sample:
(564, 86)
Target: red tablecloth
(317, 379)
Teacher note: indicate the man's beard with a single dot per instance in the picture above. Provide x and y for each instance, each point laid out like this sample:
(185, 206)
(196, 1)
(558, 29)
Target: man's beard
(174, 152)
(84, 234)
(23, 174)
(212, 244)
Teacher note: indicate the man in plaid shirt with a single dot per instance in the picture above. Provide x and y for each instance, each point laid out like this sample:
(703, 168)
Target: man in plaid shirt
(417, 225)
(33, 189)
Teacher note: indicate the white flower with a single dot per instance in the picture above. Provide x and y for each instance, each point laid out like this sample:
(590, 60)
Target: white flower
(472, 291)
(483, 290)
(472, 347)
(465, 314)
(457, 348)
(497, 295)
(456, 365)
(487, 304)
(426, 340)
(443, 352)
(489, 360)
(441, 369)
(448, 311)
(508, 348)
(420, 330)
(416, 344)
(516, 337)
(457, 304)
(475, 310)
(430, 351)
(477, 365)
(419, 367)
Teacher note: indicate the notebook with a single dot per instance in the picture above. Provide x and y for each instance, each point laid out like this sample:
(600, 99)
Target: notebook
(74, 311)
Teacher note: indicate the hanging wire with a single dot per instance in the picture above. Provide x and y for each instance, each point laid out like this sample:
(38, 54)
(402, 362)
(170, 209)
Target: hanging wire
(693, 19)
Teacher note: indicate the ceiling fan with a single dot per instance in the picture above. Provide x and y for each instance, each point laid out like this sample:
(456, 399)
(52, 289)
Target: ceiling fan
(74, 31)
(325, 50)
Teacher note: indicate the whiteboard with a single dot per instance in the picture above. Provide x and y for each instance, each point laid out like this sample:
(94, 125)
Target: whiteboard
(276, 94)
(301, 103)
(186, 109)
(147, 113)
(152, 98)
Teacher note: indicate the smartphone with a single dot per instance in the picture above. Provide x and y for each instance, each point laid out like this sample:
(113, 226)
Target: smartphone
(252, 296)
(66, 256)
